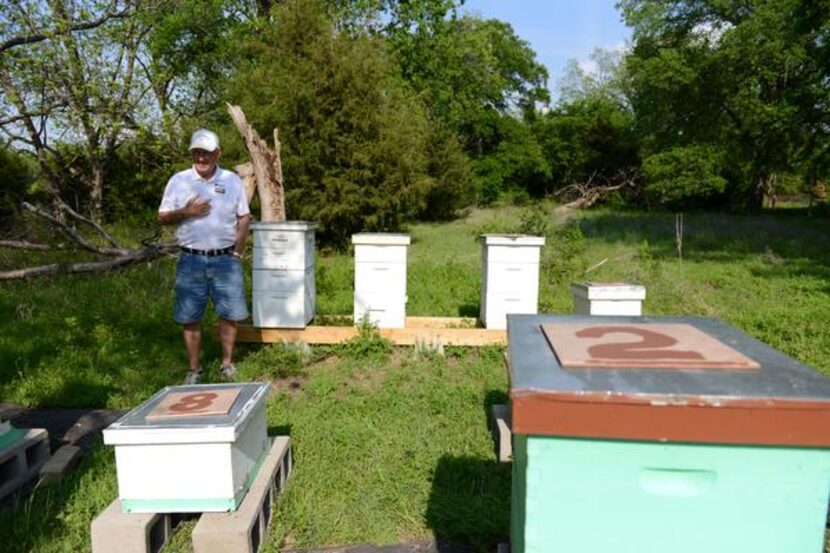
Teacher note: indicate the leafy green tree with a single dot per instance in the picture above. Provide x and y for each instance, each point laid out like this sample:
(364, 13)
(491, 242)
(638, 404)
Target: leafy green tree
(514, 160)
(591, 139)
(683, 177)
(359, 150)
(481, 80)
(79, 78)
(746, 77)
(476, 76)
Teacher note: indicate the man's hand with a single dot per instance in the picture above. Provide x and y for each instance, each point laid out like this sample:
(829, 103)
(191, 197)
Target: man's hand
(196, 207)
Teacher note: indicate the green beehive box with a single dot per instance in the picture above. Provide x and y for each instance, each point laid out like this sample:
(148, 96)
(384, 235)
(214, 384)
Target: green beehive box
(730, 456)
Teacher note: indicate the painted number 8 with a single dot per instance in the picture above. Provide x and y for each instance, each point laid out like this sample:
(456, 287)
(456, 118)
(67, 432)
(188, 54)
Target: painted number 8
(193, 402)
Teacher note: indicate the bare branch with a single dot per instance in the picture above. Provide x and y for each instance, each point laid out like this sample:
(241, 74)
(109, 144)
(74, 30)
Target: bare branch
(72, 233)
(24, 245)
(40, 113)
(107, 236)
(129, 258)
(45, 34)
(586, 194)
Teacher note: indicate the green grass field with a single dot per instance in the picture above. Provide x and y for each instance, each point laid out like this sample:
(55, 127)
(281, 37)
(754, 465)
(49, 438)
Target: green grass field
(391, 446)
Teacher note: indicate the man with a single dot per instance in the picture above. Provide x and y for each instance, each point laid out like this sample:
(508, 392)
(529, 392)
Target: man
(210, 208)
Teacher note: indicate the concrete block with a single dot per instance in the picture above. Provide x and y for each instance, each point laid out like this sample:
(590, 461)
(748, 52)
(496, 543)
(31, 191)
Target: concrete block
(114, 531)
(21, 460)
(243, 530)
(503, 548)
(60, 463)
(502, 435)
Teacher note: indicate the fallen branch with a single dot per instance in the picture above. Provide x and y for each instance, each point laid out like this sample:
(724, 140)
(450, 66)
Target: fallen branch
(586, 194)
(144, 254)
(24, 245)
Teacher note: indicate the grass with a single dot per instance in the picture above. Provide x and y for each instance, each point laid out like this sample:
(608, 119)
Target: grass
(390, 445)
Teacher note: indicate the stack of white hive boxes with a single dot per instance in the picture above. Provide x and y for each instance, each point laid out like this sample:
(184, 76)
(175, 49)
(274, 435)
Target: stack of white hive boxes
(283, 274)
(380, 278)
(510, 277)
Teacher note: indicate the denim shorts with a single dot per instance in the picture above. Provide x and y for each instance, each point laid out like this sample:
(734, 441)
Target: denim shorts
(219, 278)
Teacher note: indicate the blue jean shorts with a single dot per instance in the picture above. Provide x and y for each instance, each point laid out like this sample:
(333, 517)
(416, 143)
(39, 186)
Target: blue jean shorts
(219, 278)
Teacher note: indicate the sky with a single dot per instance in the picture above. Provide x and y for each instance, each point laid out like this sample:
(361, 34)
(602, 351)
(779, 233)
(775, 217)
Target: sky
(558, 30)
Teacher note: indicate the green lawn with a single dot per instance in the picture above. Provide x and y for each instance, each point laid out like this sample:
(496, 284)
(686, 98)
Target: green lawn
(391, 446)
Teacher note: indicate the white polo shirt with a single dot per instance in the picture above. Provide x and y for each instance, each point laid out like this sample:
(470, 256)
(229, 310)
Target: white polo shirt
(227, 202)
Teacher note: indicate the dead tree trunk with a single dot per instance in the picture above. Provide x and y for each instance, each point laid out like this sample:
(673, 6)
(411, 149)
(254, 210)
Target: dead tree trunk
(267, 167)
(246, 173)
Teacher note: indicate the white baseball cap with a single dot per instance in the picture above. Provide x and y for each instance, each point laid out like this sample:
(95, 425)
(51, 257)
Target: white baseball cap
(204, 139)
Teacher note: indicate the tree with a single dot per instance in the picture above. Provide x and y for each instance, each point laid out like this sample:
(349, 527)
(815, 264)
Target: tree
(589, 140)
(357, 144)
(602, 77)
(746, 77)
(79, 78)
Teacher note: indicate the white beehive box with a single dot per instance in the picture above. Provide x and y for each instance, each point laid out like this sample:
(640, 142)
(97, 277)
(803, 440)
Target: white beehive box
(283, 274)
(510, 277)
(380, 278)
(187, 461)
(610, 298)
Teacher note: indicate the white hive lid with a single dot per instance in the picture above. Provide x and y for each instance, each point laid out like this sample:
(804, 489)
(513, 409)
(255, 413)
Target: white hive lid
(513, 240)
(284, 225)
(381, 239)
(608, 290)
(134, 428)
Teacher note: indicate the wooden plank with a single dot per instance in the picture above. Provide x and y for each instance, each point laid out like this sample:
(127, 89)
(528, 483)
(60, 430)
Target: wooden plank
(446, 336)
(446, 330)
(441, 322)
(309, 334)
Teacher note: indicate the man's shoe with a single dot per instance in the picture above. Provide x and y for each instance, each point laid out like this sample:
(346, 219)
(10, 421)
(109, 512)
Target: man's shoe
(193, 377)
(228, 371)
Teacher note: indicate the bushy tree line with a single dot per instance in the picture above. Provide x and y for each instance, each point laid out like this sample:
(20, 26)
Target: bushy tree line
(392, 110)
(730, 98)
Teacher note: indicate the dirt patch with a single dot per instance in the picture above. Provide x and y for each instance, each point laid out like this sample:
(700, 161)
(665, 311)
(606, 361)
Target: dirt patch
(290, 385)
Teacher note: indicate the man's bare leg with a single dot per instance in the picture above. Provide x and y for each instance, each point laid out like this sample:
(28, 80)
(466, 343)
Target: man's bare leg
(227, 337)
(192, 334)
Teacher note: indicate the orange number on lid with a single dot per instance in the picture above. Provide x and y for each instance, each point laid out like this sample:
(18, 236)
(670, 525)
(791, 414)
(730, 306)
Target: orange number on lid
(649, 348)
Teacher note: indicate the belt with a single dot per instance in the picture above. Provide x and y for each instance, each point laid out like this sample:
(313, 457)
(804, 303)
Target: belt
(208, 253)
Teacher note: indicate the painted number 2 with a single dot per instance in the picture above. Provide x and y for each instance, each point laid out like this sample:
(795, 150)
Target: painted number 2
(650, 347)
(193, 402)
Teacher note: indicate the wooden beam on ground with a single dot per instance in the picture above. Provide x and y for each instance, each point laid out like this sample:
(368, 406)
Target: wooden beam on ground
(448, 331)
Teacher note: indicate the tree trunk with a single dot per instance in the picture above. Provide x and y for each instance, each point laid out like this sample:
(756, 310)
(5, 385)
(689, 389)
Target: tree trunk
(267, 167)
(96, 192)
(764, 188)
(246, 173)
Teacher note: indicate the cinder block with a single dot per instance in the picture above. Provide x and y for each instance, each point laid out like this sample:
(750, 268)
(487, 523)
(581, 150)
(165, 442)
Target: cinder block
(243, 530)
(114, 531)
(502, 436)
(62, 461)
(503, 548)
(21, 460)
